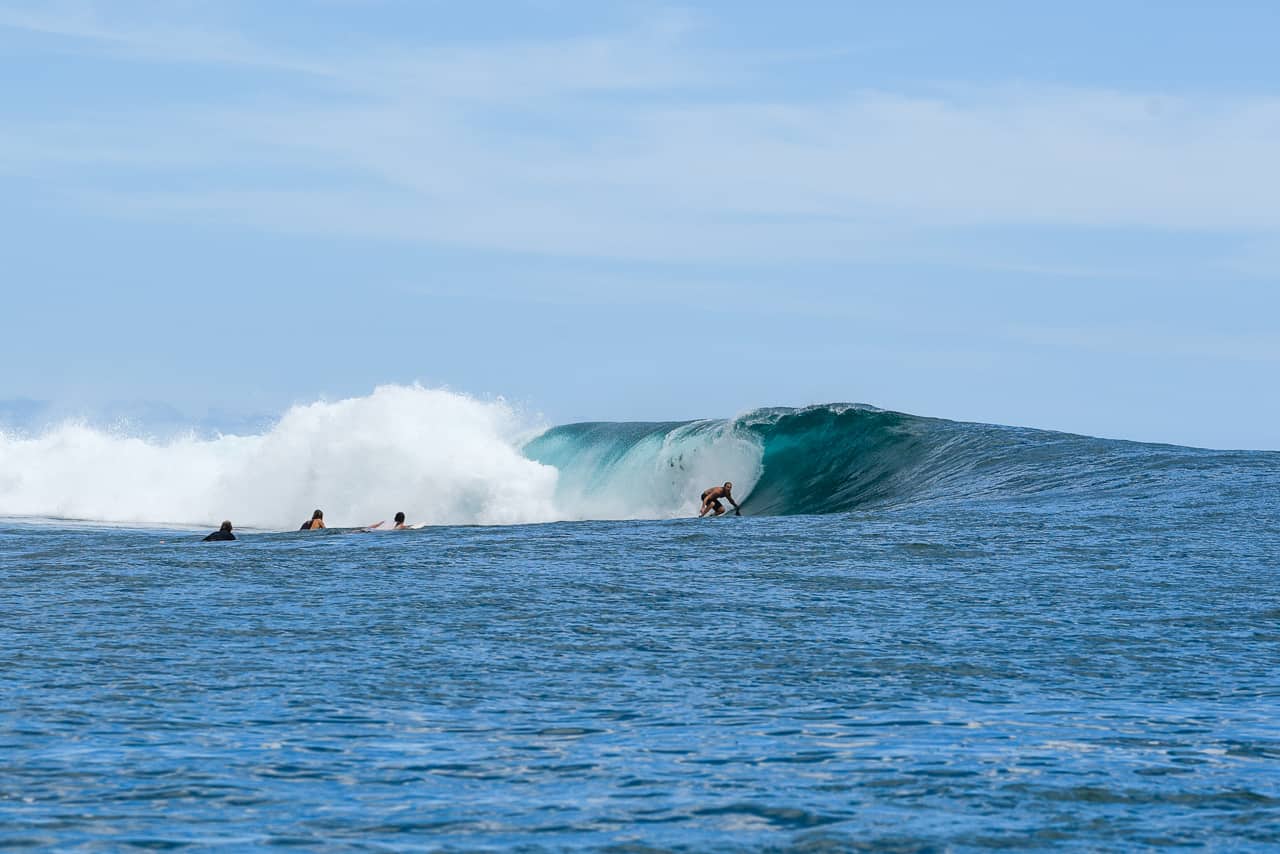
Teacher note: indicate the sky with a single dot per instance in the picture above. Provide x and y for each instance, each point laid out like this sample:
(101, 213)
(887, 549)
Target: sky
(1053, 215)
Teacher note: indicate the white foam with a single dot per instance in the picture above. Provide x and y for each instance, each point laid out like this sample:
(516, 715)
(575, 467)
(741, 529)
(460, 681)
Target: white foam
(441, 457)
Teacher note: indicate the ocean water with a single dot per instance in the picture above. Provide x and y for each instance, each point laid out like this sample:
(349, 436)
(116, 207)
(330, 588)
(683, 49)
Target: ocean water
(921, 635)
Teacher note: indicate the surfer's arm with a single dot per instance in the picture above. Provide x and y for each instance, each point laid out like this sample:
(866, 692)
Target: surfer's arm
(736, 509)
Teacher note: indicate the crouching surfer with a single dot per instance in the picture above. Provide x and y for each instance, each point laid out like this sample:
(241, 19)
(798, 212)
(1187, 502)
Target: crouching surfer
(711, 500)
(223, 533)
(315, 523)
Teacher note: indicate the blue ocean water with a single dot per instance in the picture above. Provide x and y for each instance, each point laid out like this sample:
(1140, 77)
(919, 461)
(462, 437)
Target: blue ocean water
(995, 638)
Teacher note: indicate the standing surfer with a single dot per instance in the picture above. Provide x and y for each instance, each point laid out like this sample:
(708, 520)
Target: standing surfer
(711, 500)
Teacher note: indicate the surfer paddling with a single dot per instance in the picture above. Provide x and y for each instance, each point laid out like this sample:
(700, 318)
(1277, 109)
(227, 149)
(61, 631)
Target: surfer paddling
(397, 525)
(315, 523)
(711, 500)
(223, 533)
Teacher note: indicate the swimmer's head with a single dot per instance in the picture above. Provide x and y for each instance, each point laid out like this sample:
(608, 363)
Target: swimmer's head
(400, 518)
(319, 514)
(226, 526)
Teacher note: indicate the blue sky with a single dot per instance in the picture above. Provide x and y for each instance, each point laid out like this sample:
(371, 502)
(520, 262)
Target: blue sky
(1066, 218)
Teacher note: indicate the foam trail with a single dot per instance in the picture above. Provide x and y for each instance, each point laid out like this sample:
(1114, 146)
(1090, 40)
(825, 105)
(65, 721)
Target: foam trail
(443, 458)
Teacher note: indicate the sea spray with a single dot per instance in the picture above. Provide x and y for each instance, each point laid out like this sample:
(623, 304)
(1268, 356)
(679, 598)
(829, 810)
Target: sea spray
(442, 457)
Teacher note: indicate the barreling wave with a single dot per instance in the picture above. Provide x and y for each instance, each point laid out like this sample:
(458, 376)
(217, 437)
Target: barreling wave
(446, 458)
(839, 457)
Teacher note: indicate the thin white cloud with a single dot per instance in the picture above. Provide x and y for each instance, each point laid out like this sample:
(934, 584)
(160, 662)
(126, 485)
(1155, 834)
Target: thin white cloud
(643, 58)
(148, 37)
(1147, 342)
(541, 146)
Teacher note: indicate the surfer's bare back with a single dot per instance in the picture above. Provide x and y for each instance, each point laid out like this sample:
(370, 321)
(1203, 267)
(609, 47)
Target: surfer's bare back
(711, 500)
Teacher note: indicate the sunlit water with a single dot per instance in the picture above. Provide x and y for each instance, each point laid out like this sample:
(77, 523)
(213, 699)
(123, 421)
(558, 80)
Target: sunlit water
(1098, 674)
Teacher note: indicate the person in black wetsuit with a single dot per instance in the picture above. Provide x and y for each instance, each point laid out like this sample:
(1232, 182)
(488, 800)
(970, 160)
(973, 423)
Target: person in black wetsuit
(315, 523)
(223, 533)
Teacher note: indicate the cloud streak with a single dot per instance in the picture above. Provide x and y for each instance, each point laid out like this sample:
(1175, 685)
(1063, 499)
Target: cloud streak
(640, 144)
(144, 36)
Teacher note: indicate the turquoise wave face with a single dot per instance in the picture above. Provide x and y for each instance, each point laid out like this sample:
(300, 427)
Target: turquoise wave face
(841, 457)
(828, 459)
(644, 470)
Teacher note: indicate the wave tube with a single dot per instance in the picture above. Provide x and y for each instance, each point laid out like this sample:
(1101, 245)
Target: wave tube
(645, 470)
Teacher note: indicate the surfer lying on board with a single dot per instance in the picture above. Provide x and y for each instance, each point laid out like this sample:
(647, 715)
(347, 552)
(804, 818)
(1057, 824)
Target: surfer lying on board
(711, 500)
(223, 533)
(397, 525)
(315, 523)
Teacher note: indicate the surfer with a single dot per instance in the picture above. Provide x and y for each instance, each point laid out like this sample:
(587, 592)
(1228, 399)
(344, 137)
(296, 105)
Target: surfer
(399, 525)
(314, 523)
(223, 533)
(711, 500)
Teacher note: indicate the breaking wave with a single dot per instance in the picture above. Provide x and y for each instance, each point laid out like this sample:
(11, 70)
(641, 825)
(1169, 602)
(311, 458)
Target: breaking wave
(446, 458)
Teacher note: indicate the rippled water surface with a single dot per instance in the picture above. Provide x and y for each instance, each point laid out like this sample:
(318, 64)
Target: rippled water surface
(1071, 673)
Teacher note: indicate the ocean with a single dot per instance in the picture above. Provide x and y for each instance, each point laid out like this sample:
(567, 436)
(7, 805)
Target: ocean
(921, 635)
